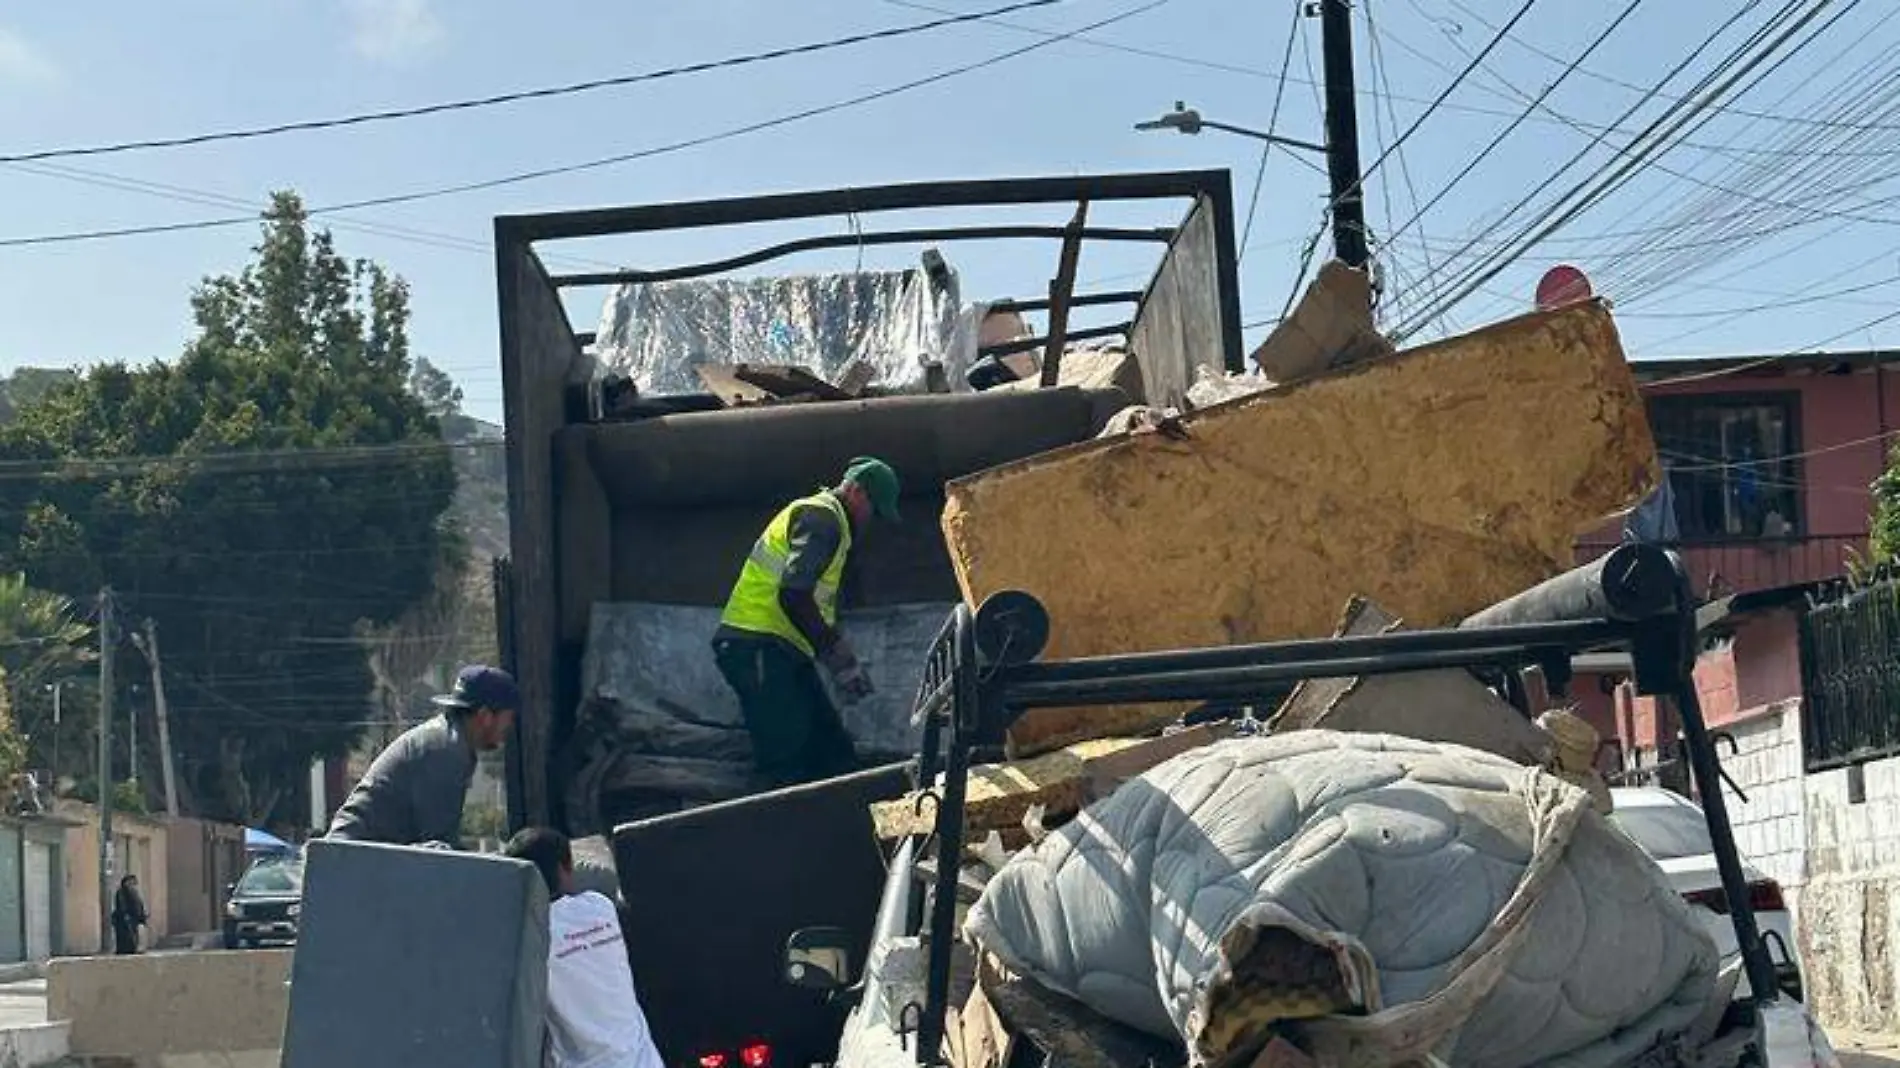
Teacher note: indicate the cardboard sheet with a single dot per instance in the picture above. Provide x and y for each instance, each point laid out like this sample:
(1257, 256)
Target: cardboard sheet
(1437, 483)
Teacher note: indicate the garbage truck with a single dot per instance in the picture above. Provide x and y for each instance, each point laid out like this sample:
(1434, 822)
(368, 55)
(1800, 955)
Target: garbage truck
(791, 927)
(1289, 993)
(645, 454)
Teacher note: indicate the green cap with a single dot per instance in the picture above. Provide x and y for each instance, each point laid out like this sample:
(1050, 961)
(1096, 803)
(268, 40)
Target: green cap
(879, 483)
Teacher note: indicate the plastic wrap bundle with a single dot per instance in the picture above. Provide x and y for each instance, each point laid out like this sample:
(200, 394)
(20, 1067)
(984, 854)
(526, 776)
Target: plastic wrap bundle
(1375, 898)
(658, 333)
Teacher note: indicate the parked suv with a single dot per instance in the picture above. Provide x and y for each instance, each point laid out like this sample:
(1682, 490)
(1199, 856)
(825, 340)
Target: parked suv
(263, 905)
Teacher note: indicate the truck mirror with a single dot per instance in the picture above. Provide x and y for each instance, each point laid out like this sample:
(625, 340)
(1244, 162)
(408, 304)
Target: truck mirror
(818, 958)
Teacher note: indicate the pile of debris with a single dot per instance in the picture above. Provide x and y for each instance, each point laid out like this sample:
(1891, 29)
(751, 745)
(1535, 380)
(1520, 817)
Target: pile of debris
(1414, 489)
(833, 337)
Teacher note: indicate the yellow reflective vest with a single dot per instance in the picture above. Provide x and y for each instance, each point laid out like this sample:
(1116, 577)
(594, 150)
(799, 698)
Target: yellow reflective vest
(754, 607)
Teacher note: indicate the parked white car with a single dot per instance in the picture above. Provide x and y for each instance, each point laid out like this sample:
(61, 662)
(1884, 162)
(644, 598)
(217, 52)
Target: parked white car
(1674, 832)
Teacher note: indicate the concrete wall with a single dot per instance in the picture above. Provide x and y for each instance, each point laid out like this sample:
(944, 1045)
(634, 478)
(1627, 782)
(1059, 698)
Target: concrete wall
(201, 859)
(173, 1010)
(140, 848)
(1771, 827)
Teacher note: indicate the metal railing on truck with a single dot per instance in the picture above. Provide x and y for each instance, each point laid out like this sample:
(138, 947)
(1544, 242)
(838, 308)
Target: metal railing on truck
(983, 673)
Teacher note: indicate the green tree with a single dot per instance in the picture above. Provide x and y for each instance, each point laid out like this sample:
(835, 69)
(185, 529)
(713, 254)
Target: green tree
(288, 487)
(43, 640)
(435, 389)
(1884, 539)
(28, 385)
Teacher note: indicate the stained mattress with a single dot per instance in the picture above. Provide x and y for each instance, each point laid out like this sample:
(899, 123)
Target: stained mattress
(1375, 897)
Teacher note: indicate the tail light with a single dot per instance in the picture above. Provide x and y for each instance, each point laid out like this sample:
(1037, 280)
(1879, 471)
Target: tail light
(755, 1055)
(1763, 896)
(716, 1059)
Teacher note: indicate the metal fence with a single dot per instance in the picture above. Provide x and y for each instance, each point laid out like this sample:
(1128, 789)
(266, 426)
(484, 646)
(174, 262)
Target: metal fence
(1850, 674)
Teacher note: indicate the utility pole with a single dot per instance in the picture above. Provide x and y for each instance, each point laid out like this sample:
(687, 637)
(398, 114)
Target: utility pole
(148, 645)
(108, 639)
(1342, 132)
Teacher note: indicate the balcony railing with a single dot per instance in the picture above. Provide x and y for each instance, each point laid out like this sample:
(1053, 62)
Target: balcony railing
(1721, 568)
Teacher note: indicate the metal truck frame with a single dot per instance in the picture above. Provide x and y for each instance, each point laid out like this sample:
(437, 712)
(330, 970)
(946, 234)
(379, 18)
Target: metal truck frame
(983, 673)
(539, 347)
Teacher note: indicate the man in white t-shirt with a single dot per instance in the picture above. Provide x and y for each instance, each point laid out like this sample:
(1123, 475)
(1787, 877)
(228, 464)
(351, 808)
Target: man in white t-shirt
(594, 1017)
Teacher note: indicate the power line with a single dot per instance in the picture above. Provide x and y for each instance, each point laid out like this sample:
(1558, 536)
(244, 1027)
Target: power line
(1382, 86)
(1529, 108)
(1265, 74)
(1602, 133)
(1439, 101)
(702, 140)
(1730, 109)
(189, 195)
(1793, 302)
(1592, 190)
(249, 461)
(473, 103)
(1273, 126)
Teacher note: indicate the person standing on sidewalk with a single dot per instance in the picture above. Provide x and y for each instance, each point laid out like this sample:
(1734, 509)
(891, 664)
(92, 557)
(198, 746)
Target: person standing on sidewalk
(781, 622)
(128, 915)
(413, 792)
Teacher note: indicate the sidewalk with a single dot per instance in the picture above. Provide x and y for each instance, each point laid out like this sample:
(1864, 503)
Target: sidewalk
(1867, 1051)
(26, 1037)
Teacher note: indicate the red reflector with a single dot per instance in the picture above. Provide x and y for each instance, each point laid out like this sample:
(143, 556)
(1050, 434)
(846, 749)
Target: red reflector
(756, 1055)
(712, 1060)
(1764, 896)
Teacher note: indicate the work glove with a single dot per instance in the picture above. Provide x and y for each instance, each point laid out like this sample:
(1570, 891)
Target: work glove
(842, 662)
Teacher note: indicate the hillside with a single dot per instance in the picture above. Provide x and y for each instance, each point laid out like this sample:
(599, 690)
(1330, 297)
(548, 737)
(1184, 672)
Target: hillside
(481, 495)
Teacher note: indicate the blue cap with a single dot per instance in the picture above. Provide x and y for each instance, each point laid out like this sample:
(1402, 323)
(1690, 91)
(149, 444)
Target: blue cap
(480, 686)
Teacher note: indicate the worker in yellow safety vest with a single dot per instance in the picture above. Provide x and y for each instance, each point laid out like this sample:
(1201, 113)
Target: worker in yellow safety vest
(781, 622)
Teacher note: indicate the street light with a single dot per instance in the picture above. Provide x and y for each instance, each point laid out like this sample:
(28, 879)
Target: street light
(1189, 121)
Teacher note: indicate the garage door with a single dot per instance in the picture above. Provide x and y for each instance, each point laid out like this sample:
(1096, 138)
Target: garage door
(39, 901)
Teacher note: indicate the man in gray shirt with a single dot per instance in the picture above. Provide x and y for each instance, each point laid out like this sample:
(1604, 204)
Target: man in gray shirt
(413, 791)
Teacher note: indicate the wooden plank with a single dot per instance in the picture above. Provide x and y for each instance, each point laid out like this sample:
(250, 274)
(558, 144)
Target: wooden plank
(1437, 482)
(1060, 291)
(1062, 782)
(788, 381)
(1447, 705)
(979, 1038)
(723, 381)
(856, 377)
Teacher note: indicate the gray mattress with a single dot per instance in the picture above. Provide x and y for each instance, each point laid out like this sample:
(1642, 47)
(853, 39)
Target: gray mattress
(1474, 909)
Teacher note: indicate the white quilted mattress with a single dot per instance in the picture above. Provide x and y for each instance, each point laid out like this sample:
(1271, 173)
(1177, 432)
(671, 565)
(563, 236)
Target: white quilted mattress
(1476, 909)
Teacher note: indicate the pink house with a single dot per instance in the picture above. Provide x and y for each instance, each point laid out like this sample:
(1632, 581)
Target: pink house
(1769, 461)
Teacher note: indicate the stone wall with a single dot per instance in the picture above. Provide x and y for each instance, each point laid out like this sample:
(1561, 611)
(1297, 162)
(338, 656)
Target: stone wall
(1849, 923)
(1837, 860)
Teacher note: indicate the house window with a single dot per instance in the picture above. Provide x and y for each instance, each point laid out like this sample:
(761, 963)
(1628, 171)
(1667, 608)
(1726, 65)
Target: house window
(1732, 462)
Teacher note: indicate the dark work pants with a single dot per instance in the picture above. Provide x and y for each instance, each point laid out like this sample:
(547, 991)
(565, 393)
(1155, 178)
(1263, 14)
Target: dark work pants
(797, 735)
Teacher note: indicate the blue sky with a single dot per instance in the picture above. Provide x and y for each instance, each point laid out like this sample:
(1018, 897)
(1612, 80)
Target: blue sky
(1746, 196)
